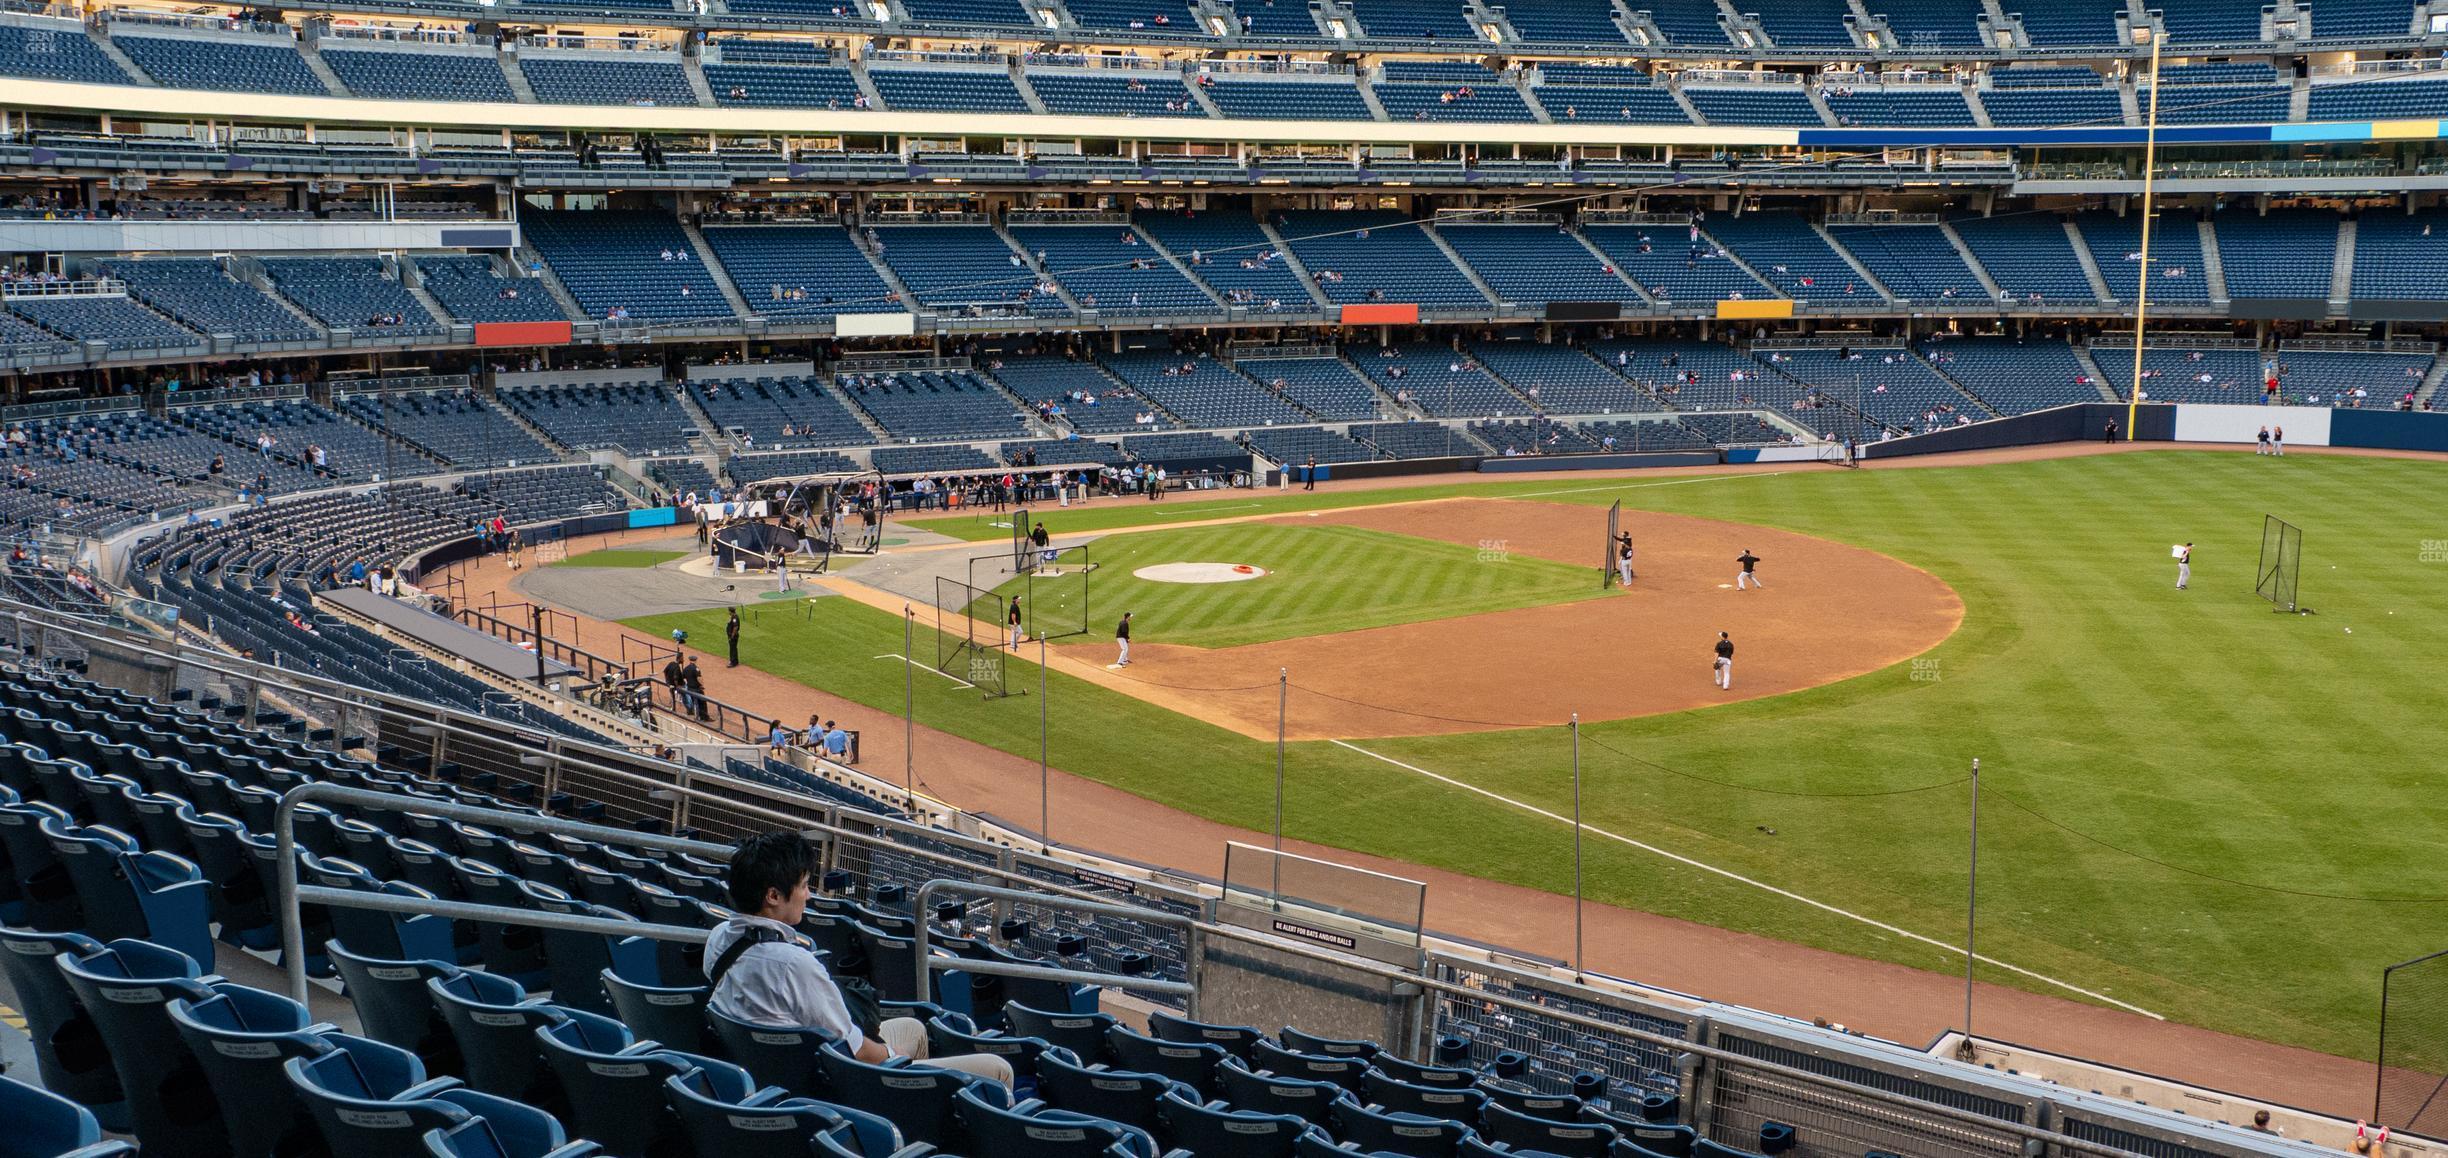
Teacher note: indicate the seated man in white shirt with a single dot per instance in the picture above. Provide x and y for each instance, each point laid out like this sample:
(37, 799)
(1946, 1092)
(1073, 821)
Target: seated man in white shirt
(779, 981)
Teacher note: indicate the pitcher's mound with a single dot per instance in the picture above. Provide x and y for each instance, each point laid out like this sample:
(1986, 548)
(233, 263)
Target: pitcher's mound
(1199, 573)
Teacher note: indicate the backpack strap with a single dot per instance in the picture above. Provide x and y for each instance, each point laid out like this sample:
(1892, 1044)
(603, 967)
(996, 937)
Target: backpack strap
(756, 936)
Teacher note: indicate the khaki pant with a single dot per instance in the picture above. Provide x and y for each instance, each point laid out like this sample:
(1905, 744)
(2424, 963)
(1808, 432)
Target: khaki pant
(907, 1037)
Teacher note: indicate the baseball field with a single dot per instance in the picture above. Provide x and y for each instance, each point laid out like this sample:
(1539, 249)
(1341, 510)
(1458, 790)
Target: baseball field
(2190, 805)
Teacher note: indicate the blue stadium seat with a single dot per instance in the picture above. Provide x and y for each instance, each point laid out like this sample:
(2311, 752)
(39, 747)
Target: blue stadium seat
(240, 1037)
(42, 1124)
(672, 1015)
(429, 74)
(1398, 1132)
(496, 1025)
(917, 1098)
(722, 1111)
(372, 1100)
(69, 1054)
(1119, 1095)
(991, 1129)
(127, 987)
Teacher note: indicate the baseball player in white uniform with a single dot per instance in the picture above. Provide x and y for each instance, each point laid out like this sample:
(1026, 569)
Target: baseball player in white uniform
(2184, 566)
(1623, 558)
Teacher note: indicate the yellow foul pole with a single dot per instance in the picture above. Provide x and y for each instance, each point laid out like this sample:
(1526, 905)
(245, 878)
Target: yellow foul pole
(2150, 165)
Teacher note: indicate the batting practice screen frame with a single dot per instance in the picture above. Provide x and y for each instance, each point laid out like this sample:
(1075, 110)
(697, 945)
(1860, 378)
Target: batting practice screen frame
(1054, 589)
(2411, 1090)
(1606, 551)
(966, 647)
(2281, 562)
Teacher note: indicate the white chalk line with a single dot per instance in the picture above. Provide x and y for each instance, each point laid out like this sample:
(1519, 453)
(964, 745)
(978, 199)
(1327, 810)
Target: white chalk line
(1642, 485)
(928, 668)
(1762, 885)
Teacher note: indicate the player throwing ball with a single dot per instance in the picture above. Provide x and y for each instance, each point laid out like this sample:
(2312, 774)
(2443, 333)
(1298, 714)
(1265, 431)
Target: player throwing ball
(1749, 577)
(1724, 667)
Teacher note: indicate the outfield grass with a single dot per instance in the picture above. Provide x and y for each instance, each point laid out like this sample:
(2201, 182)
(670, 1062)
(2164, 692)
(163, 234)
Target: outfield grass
(1313, 584)
(621, 557)
(2230, 815)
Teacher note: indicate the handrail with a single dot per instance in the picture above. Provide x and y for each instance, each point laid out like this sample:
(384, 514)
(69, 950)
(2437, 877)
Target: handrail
(293, 931)
(926, 961)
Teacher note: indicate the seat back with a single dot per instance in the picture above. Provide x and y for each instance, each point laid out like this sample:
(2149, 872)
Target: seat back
(69, 1054)
(1661, 1138)
(989, 1130)
(951, 1034)
(127, 986)
(494, 1022)
(916, 1098)
(1460, 1104)
(722, 1113)
(240, 1037)
(42, 1122)
(1120, 1095)
(674, 1016)
(1316, 1046)
(1342, 1071)
(781, 1056)
(614, 1083)
(1192, 1063)
(1303, 1098)
(44, 888)
(1235, 1039)
(1081, 1033)
(1416, 1135)
(1502, 1123)
(355, 1101)
(1189, 1125)
(393, 1006)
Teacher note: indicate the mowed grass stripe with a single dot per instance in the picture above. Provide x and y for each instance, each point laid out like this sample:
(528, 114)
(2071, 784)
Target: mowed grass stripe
(1320, 580)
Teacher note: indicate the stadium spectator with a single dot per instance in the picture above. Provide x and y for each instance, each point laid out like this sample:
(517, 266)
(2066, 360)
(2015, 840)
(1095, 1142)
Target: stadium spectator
(764, 973)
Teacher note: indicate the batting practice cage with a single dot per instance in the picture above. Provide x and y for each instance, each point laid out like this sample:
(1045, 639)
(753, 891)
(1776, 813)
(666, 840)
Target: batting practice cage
(1606, 553)
(1050, 583)
(970, 636)
(2412, 1090)
(2281, 558)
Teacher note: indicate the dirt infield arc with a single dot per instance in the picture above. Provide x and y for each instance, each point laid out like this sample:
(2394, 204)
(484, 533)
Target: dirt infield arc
(1829, 612)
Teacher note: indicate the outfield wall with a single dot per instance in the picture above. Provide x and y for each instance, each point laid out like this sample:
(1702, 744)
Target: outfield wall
(2185, 422)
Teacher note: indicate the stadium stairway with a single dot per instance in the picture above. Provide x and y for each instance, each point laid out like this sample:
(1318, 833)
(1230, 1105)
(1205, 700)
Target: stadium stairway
(1477, 282)
(1855, 262)
(1292, 261)
(2082, 354)
(1181, 267)
(251, 272)
(876, 260)
(690, 63)
(1819, 105)
(524, 92)
(2341, 271)
(1988, 284)
(715, 435)
(529, 425)
(2212, 268)
(2431, 383)
(413, 282)
(1019, 75)
(311, 50)
(529, 259)
(1061, 291)
(1638, 290)
(100, 31)
(2090, 268)
(705, 252)
(1745, 266)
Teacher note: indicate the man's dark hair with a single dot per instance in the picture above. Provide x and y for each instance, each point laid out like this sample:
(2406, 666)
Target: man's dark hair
(775, 861)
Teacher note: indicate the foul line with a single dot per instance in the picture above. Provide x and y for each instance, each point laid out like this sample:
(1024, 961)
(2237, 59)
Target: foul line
(1638, 486)
(1786, 893)
(928, 668)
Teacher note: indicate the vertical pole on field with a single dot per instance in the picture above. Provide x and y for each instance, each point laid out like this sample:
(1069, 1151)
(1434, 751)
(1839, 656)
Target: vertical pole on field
(1972, 908)
(1045, 778)
(1283, 694)
(909, 705)
(1576, 770)
(2150, 165)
